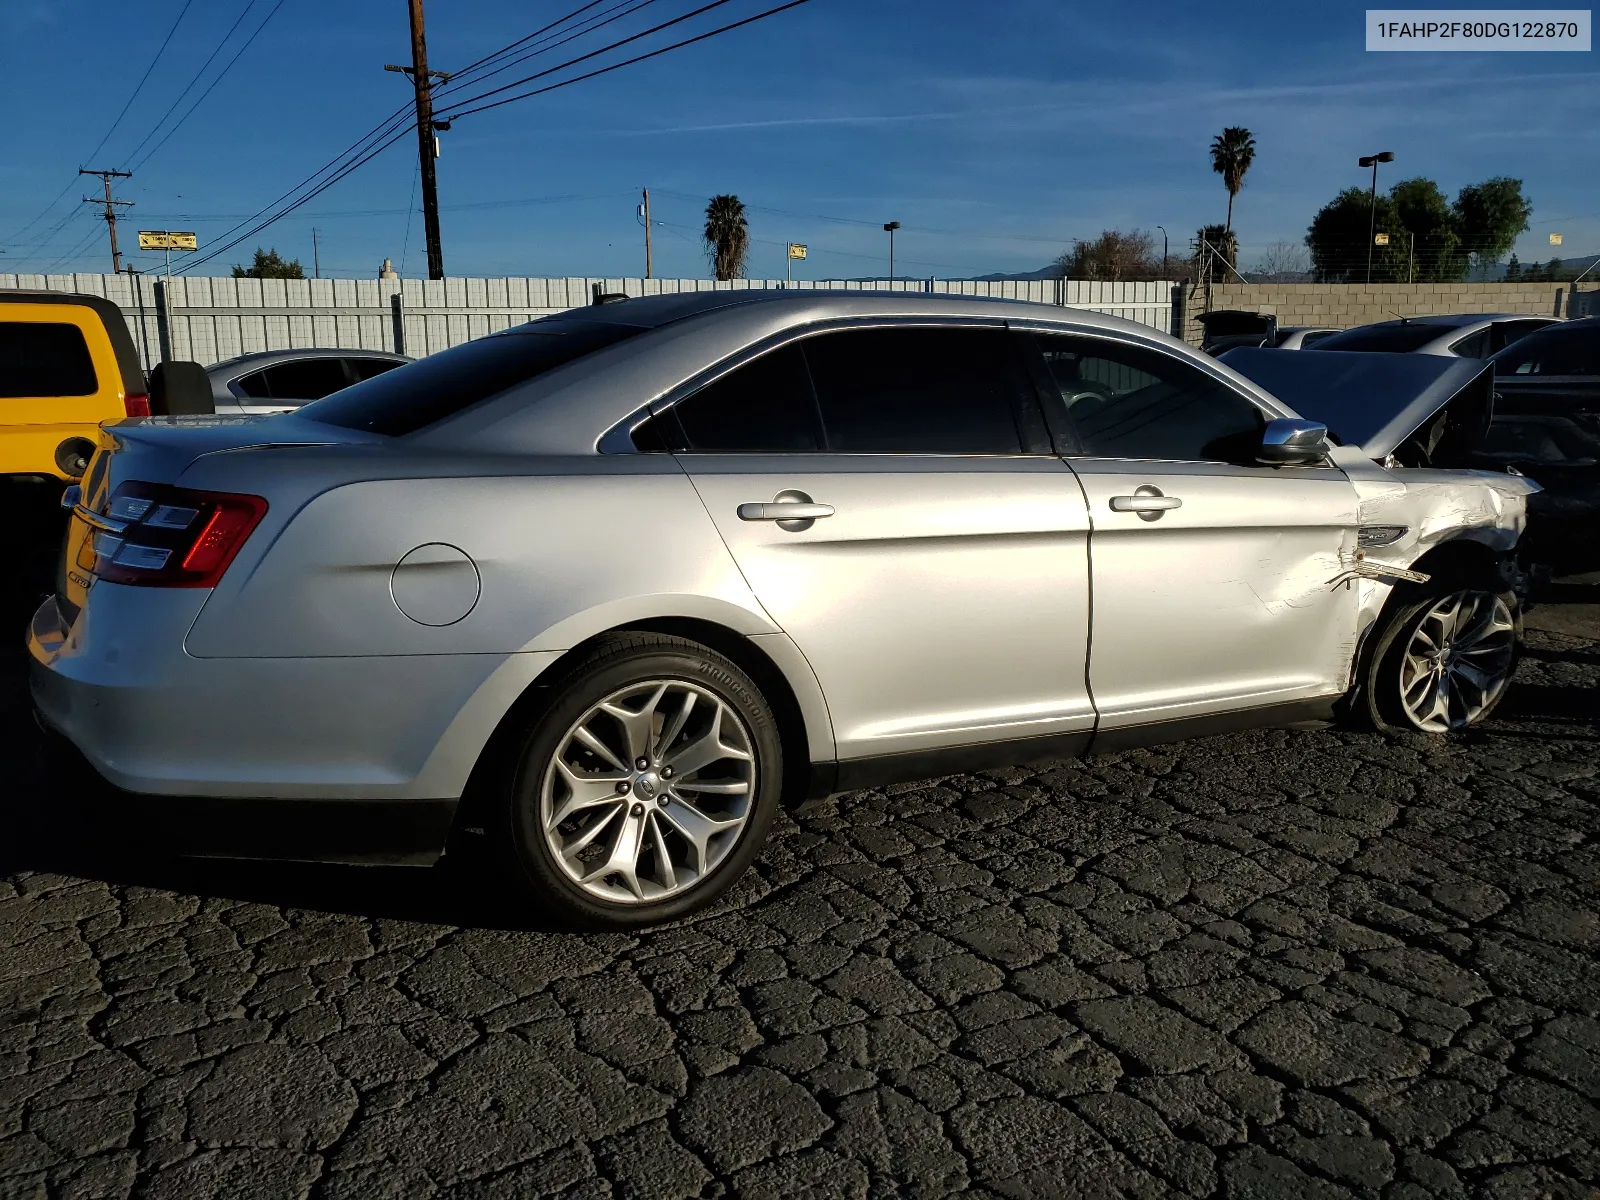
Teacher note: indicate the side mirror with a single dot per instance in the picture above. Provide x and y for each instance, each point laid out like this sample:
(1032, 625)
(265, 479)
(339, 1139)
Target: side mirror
(1291, 441)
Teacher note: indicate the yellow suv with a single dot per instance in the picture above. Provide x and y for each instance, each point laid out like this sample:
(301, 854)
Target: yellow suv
(67, 363)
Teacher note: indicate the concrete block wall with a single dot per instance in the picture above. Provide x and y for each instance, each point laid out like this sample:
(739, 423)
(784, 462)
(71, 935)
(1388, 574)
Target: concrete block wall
(1341, 305)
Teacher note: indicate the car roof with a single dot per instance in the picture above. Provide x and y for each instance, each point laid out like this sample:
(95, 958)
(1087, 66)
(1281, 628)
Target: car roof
(650, 312)
(1456, 320)
(110, 315)
(266, 358)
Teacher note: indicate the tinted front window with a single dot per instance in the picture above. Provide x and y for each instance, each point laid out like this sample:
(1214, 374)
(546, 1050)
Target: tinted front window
(763, 406)
(915, 390)
(39, 358)
(1473, 346)
(1555, 350)
(1311, 339)
(1126, 401)
(443, 384)
(307, 379)
(1398, 339)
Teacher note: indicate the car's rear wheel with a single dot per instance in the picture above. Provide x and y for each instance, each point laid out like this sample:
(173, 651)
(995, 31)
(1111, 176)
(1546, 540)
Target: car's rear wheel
(646, 786)
(1444, 659)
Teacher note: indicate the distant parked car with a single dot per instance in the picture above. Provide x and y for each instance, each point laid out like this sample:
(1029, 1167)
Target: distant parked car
(1226, 328)
(1299, 337)
(1465, 335)
(273, 380)
(1547, 425)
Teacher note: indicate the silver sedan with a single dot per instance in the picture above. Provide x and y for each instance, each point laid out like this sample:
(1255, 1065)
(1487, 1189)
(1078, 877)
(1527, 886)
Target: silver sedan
(613, 586)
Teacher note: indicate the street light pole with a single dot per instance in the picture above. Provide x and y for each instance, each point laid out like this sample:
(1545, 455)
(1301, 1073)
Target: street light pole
(1372, 161)
(889, 229)
(1163, 229)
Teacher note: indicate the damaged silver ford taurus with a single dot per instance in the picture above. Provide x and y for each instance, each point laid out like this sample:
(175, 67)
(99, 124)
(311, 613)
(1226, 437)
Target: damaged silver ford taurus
(611, 586)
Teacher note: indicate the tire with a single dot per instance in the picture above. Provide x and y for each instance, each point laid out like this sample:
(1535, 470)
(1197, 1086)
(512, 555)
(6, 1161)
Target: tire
(684, 828)
(1407, 686)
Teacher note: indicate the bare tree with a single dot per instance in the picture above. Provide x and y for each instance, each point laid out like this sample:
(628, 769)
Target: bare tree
(1114, 256)
(1283, 262)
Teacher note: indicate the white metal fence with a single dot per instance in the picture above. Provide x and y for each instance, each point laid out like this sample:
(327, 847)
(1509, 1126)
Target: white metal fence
(208, 320)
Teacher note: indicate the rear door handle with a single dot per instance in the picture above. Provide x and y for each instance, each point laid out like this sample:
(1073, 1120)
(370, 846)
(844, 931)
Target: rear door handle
(1148, 501)
(784, 510)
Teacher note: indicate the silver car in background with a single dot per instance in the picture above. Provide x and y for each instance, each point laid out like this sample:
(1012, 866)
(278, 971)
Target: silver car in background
(613, 585)
(275, 380)
(1465, 335)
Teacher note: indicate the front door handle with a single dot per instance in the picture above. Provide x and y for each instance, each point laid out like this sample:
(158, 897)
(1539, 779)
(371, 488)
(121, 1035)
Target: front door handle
(793, 510)
(1148, 501)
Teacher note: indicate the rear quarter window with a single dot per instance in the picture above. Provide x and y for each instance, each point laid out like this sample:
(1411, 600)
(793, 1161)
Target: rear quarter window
(39, 358)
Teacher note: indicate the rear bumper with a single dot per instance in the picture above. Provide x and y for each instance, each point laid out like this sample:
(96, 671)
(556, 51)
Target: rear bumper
(152, 719)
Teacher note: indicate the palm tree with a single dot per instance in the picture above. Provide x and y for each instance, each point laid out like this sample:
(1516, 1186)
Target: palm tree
(727, 236)
(1231, 156)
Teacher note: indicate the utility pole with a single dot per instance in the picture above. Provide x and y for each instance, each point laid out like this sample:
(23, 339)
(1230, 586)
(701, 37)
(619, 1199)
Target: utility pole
(647, 262)
(111, 210)
(316, 256)
(427, 136)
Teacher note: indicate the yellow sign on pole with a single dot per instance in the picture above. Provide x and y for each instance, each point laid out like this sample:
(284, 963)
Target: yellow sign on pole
(1555, 239)
(162, 239)
(796, 250)
(1381, 239)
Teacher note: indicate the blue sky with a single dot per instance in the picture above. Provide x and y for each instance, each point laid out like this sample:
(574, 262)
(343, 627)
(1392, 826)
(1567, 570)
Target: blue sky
(995, 132)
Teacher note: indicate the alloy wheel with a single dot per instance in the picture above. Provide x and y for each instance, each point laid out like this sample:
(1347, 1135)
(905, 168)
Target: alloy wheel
(648, 791)
(1458, 661)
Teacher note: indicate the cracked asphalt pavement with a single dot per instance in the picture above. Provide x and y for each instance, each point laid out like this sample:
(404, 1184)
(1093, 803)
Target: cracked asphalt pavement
(1270, 964)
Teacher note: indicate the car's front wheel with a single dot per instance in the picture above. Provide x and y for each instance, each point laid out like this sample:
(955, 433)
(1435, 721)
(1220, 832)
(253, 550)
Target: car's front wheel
(647, 785)
(1443, 659)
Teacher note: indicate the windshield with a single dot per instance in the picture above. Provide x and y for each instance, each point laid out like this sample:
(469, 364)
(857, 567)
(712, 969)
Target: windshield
(427, 391)
(1396, 339)
(1557, 350)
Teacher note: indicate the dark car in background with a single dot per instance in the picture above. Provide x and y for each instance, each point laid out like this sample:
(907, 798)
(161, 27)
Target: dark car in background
(1465, 335)
(273, 380)
(1546, 425)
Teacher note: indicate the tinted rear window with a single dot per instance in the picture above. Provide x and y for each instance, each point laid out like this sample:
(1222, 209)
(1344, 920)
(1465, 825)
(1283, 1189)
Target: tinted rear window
(1398, 339)
(44, 359)
(439, 386)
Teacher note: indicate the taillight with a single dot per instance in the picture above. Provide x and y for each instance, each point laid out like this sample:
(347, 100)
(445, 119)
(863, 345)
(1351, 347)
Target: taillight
(157, 535)
(136, 405)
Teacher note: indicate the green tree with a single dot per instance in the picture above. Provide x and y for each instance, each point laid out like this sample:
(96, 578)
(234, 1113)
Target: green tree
(269, 265)
(1232, 152)
(1225, 245)
(1513, 270)
(1423, 215)
(1489, 216)
(727, 236)
(1338, 239)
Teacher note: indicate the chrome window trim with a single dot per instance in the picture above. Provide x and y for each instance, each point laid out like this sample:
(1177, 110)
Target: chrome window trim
(619, 438)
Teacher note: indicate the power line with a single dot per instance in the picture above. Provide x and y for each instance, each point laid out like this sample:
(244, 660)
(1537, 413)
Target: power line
(572, 62)
(627, 62)
(143, 79)
(598, 21)
(221, 75)
(189, 87)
